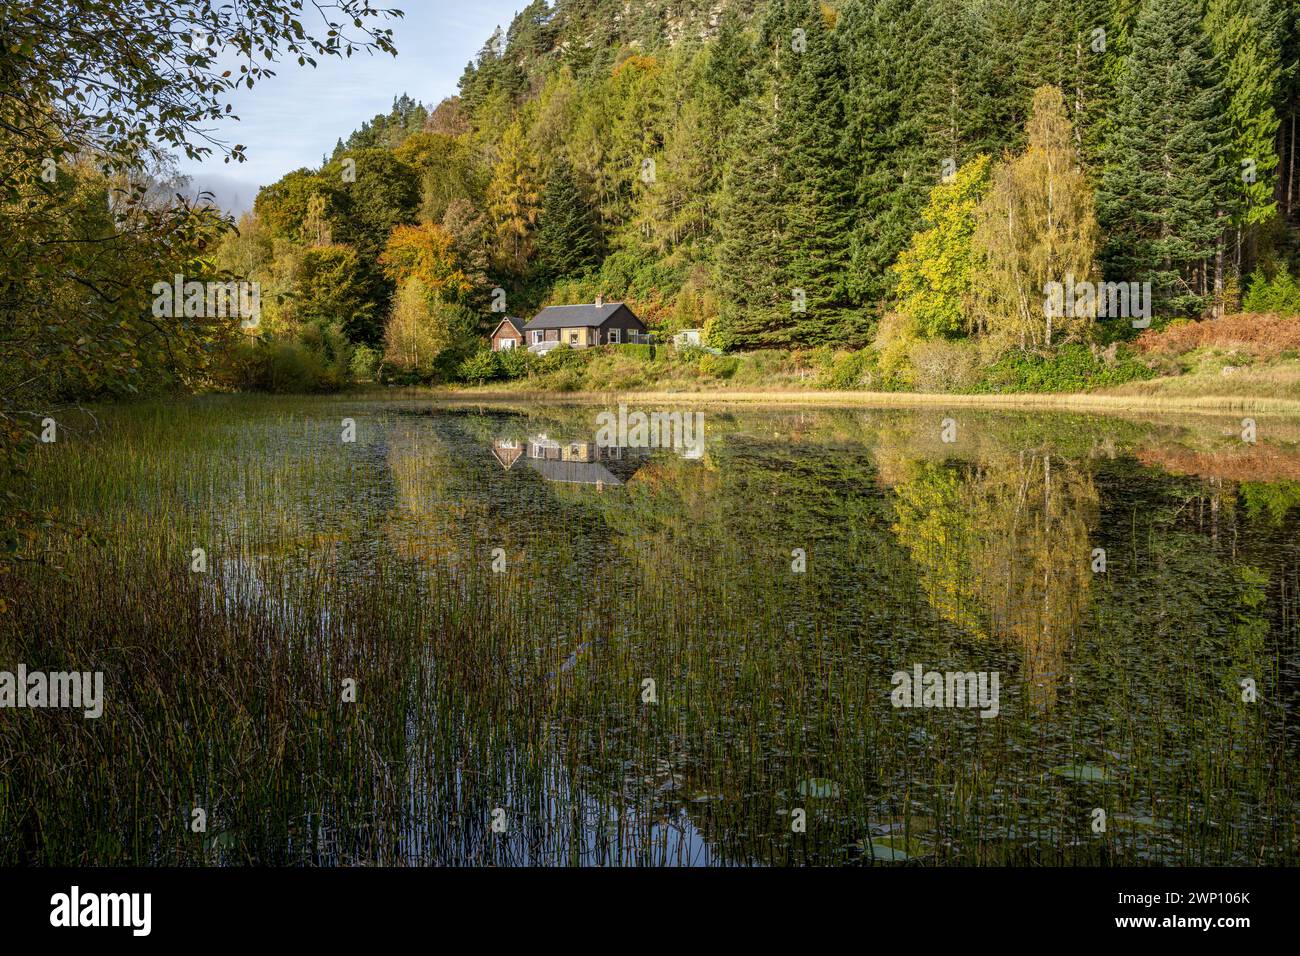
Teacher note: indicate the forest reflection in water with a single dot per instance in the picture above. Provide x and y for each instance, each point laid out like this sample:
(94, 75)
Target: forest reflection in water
(1121, 596)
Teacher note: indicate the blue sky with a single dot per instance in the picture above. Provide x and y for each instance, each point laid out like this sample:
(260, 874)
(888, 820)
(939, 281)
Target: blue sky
(296, 117)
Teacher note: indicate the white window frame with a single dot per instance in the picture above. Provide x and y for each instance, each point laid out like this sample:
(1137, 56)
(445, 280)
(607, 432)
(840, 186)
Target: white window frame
(615, 336)
(507, 344)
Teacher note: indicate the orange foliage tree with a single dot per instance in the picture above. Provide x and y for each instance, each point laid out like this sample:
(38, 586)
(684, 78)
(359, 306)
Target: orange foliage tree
(426, 252)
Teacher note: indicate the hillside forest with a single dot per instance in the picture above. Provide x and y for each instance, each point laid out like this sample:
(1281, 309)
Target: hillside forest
(889, 186)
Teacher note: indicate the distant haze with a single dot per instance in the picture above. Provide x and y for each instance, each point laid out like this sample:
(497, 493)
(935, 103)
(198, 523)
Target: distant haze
(231, 193)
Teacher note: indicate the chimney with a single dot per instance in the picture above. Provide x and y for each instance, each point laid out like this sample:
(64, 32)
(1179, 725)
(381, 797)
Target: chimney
(600, 300)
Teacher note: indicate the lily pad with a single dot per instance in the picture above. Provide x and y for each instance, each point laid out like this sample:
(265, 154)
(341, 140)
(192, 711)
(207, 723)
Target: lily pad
(819, 788)
(883, 851)
(1082, 773)
(1135, 822)
(220, 841)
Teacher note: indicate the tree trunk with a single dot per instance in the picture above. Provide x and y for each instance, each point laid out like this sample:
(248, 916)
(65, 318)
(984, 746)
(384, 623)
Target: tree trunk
(1218, 276)
(1240, 240)
(1290, 175)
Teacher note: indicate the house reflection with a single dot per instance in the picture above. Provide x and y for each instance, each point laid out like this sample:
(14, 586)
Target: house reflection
(570, 462)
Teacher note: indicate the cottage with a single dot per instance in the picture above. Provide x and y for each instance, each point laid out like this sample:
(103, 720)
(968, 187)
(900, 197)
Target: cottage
(509, 334)
(581, 326)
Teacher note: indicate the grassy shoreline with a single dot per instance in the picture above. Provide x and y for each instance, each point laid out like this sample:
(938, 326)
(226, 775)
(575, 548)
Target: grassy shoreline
(1072, 401)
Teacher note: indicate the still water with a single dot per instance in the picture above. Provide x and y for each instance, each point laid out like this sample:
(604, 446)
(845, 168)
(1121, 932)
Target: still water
(771, 636)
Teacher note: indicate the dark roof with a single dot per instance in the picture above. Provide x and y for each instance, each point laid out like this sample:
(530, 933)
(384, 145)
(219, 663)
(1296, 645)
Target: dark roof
(517, 323)
(575, 316)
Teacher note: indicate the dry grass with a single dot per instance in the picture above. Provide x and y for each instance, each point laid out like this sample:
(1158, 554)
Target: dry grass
(1277, 396)
(1275, 385)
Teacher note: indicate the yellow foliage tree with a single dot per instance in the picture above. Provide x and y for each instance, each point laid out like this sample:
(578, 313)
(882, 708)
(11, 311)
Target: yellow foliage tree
(514, 200)
(935, 272)
(422, 327)
(426, 253)
(1036, 227)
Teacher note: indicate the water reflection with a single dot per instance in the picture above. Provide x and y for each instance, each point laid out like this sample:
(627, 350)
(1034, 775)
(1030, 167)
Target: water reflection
(506, 582)
(981, 555)
(572, 462)
(1002, 547)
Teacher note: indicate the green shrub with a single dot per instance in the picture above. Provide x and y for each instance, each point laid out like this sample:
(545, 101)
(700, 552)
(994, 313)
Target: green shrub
(763, 367)
(637, 276)
(895, 337)
(845, 371)
(365, 363)
(479, 368)
(318, 360)
(644, 353)
(1072, 368)
(391, 374)
(718, 366)
(822, 358)
(516, 362)
(1280, 294)
(280, 367)
(624, 275)
(566, 380)
(564, 357)
(614, 371)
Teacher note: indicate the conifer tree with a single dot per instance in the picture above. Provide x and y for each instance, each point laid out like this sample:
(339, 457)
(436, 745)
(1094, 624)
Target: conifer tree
(751, 247)
(513, 201)
(730, 60)
(903, 122)
(787, 206)
(1086, 46)
(679, 206)
(819, 202)
(1288, 189)
(790, 182)
(1013, 47)
(1165, 197)
(566, 234)
(1246, 35)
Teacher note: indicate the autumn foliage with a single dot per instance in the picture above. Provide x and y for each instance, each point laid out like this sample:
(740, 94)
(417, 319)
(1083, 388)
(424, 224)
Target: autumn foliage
(427, 253)
(1264, 336)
